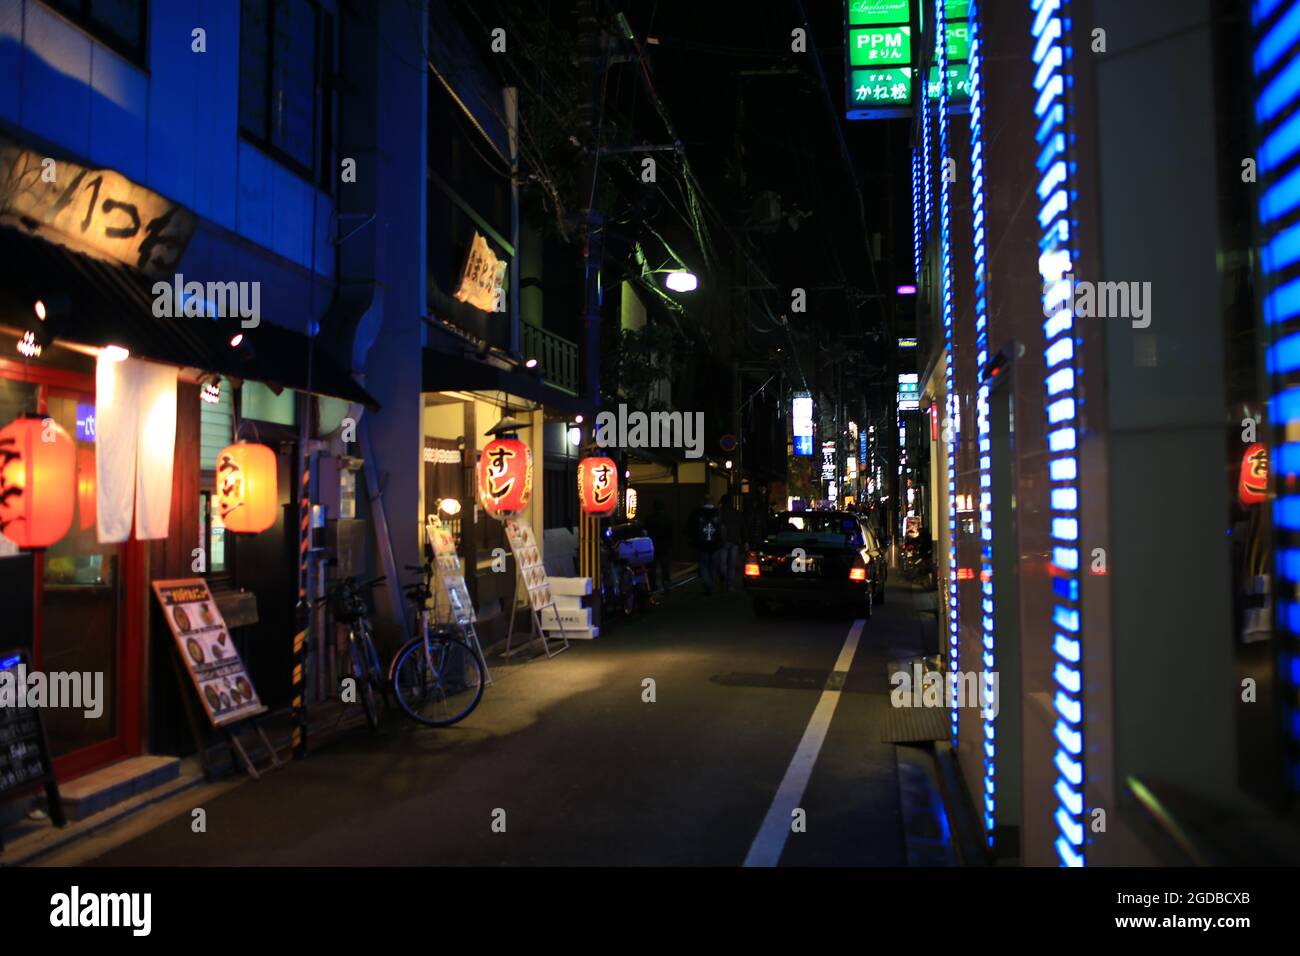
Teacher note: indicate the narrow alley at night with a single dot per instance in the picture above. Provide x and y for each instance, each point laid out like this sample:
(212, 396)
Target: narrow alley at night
(850, 438)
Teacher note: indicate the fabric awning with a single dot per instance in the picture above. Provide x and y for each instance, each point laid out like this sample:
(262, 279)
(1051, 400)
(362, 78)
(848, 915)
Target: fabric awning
(112, 304)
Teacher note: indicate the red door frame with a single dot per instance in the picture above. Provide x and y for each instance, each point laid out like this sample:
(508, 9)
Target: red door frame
(132, 608)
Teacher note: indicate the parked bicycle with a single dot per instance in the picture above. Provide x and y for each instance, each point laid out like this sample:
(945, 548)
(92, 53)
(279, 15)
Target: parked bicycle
(347, 602)
(437, 678)
(627, 554)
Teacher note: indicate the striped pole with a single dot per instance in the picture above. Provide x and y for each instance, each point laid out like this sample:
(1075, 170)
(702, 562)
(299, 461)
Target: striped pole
(299, 686)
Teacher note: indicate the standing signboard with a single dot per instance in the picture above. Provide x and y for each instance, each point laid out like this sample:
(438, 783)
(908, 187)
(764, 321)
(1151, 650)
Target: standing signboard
(530, 570)
(215, 670)
(219, 676)
(451, 575)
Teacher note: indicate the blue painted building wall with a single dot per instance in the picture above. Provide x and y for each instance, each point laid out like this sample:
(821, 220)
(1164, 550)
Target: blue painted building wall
(173, 125)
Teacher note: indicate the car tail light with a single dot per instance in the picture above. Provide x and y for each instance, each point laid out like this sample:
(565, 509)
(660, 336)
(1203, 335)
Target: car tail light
(751, 570)
(857, 574)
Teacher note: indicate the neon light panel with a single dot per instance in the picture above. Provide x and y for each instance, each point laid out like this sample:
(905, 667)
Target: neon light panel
(1276, 62)
(982, 408)
(1055, 185)
(945, 245)
(916, 212)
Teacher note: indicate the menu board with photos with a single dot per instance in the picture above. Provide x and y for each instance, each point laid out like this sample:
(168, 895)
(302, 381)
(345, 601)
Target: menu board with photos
(451, 573)
(24, 755)
(214, 665)
(528, 559)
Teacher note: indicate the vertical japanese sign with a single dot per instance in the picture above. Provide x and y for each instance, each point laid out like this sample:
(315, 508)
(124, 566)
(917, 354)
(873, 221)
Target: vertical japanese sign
(801, 419)
(879, 61)
(482, 281)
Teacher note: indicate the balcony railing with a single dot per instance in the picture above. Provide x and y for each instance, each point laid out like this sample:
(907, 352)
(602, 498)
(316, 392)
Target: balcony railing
(557, 356)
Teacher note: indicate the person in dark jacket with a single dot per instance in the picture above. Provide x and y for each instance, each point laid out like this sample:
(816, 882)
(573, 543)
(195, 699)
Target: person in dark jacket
(704, 529)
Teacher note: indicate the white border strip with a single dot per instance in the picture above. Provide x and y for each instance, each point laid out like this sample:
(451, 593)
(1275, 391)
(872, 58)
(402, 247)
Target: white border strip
(770, 842)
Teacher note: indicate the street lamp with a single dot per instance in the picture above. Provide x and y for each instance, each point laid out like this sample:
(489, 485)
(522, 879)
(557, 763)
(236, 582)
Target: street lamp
(682, 281)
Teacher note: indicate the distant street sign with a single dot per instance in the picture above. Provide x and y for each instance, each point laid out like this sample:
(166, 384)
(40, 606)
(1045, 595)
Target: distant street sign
(879, 62)
(728, 442)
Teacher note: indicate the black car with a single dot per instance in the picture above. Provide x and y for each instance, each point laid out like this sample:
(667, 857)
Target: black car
(819, 557)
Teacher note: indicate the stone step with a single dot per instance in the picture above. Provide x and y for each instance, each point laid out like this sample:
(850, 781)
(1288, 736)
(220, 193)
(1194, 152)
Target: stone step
(116, 783)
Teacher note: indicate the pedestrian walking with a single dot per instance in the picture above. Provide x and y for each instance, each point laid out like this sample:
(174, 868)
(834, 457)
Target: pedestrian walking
(705, 530)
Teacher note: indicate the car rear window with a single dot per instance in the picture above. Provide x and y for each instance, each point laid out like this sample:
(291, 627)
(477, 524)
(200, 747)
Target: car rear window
(816, 527)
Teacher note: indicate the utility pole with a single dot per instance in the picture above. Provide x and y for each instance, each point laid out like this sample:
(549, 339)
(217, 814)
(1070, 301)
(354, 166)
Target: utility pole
(591, 46)
(591, 43)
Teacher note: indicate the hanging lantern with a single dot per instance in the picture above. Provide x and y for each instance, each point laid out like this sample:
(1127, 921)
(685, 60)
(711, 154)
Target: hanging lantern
(87, 509)
(248, 490)
(505, 476)
(1252, 485)
(598, 485)
(38, 477)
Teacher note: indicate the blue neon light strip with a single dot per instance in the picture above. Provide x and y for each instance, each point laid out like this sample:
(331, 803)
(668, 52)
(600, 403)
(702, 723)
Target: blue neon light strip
(1052, 56)
(925, 161)
(1276, 61)
(979, 252)
(945, 245)
(916, 213)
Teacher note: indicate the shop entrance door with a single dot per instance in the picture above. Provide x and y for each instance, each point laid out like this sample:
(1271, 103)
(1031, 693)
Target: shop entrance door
(87, 615)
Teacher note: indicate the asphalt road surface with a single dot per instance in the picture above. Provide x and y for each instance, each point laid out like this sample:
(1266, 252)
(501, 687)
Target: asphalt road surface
(582, 770)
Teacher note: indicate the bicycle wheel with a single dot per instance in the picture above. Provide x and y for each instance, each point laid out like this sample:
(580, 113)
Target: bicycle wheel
(363, 654)
(440, 687)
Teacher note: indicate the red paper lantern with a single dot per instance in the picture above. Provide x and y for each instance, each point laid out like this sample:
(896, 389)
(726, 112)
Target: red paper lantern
(87, 508)
(598, 485)
(505, 476)
(1252, 486)
(38, 475)
(248, 490)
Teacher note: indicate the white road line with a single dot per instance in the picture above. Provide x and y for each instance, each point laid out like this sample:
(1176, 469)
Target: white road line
(770, 841)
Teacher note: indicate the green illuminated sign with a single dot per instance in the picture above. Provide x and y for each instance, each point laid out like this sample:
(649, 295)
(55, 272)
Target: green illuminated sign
(958, 82)
(881, 46)
(958, 34)
(892, 87)
(879, 61)
(872, 12)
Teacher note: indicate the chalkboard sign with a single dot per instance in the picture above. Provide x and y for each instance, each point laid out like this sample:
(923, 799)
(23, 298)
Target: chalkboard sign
(25, 763)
